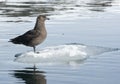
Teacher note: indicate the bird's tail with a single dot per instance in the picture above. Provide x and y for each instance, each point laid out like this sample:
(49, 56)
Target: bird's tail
(16, 40)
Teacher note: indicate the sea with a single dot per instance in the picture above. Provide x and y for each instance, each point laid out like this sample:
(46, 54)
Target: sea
(82, 44)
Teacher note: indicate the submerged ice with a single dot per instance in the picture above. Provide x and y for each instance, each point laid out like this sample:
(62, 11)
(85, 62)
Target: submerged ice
(62, 53)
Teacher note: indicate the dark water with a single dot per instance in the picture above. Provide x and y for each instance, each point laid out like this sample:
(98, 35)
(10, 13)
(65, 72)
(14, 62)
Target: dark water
(88, 22)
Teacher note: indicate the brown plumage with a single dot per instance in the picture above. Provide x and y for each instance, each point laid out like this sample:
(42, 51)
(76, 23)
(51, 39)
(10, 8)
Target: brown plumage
(35, 36)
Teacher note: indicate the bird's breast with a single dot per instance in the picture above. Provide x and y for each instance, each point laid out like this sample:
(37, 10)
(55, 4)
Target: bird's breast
(39, 39)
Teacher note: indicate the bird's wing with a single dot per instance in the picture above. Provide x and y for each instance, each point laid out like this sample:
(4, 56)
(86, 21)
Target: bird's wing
(26, 37)
(31, 34)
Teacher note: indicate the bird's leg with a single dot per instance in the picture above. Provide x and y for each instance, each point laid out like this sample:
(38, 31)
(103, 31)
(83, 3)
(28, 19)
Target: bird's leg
(34, 49)
(34, 67)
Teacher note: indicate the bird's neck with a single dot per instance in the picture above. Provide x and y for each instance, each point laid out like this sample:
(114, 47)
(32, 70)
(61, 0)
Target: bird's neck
(40, 26)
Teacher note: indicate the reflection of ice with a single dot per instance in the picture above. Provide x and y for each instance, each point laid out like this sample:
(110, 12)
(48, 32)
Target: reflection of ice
(55, 8)
(62, 53)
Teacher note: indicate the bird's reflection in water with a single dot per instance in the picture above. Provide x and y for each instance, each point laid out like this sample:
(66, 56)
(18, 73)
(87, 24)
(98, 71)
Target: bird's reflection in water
(30, 76)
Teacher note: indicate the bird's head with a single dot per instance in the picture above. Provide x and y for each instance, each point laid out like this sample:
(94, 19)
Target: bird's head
(42, 18)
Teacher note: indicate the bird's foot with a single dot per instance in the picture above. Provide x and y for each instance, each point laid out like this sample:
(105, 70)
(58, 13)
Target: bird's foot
(36, 52)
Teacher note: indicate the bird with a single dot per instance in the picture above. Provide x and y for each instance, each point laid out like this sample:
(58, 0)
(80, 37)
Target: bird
(35, 36)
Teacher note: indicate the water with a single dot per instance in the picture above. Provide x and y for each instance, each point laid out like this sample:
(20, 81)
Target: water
(93, 23)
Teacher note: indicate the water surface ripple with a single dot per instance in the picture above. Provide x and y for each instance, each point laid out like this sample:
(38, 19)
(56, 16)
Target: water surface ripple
(94, 23)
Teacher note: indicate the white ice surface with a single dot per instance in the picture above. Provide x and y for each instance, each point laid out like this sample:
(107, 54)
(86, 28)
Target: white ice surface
(61, 53)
